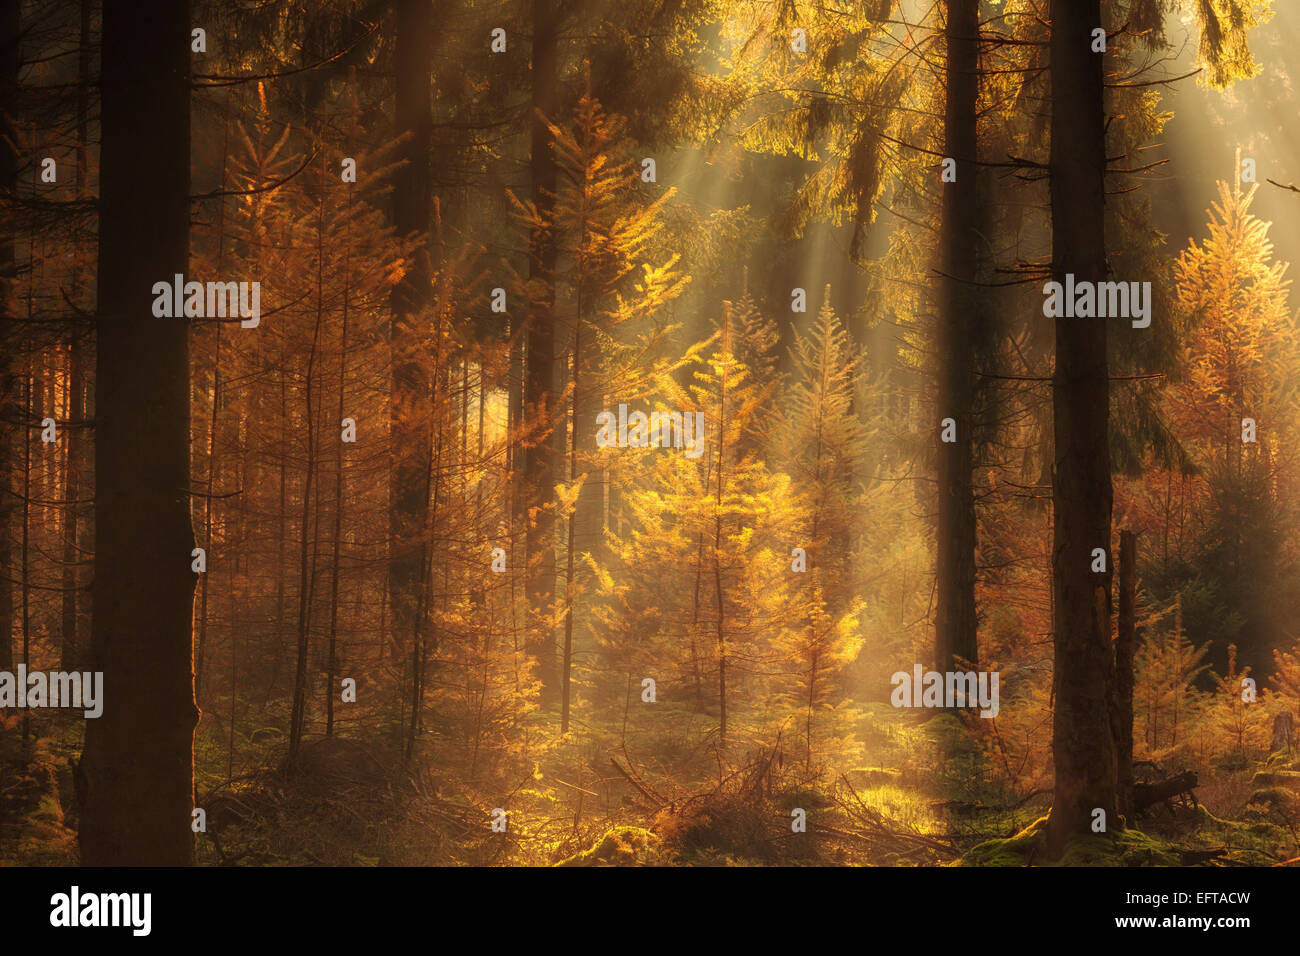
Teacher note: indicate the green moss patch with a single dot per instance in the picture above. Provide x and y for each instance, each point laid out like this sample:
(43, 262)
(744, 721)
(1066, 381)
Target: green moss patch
(621, 846)
(1029, 847)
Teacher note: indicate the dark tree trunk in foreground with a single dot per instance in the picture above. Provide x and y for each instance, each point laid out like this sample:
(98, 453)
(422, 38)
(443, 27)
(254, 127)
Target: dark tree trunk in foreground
(539, 372)
(412, 208)
(960, 311)
(136, 773)
(1082, 741)
(1125, 646)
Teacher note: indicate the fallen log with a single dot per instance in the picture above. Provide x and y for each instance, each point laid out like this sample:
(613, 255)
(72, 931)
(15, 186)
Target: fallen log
(1163, 791)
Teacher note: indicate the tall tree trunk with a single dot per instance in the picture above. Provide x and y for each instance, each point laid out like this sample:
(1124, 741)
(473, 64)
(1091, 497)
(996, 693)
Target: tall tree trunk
(202, 626)
(539, 372)
(75, 436)
(408, 489)
(960, 309)
(1081, 491)
(282, 531)
(310, 502)
(566, 664)
(1125, 646)
(240, 480)
(719, 595)
(515, 416)
(697, 678)
(137, 769)
(10, 28)
(25, 576)
(425, 636)
(331, 660)
(72, 473)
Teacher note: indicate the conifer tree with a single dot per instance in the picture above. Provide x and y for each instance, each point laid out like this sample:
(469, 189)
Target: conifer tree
(605, 302)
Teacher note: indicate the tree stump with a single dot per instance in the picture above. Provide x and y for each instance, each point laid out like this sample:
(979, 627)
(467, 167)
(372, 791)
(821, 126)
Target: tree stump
(1283, 732)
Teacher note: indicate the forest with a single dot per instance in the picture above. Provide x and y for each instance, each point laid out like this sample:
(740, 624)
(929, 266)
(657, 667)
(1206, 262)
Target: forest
(649, 432)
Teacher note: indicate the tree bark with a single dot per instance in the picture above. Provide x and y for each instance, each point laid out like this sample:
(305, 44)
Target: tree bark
(10, 28)
(540, 407)
(137, 771)
(960, 310)
(1081, 491)
(411, 413)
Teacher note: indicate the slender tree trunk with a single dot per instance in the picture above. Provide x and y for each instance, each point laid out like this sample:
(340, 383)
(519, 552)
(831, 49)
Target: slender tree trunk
(719, 596)
(332, 662)
(464, 423)
(572, 523)
(960, 311)
(515, 417)
(1081, 493)
(202, 642)
(10, 29)
(25, 579)
(306, 553)
(697, 678)
(202, 623)
(433, 480)
(72, 474)
(137, 770)
(1125, 646)
(479, 461)
(282, 532)
(408, 487)
(539, 373)
(233, 618)
(812, 703)
(75, 436)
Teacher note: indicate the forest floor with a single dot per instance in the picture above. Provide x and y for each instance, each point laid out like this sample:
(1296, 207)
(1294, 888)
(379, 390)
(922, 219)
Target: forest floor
(353, 803)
